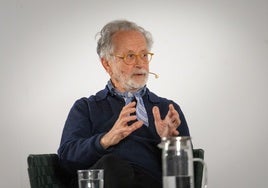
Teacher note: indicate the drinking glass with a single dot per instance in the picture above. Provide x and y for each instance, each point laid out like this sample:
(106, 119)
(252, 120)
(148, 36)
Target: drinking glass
(91, 178)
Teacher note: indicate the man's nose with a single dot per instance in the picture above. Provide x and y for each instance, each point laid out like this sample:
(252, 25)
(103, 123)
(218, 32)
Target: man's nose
(138, 60)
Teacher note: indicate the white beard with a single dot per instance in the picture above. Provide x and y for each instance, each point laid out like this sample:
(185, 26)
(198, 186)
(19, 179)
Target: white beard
(130, 84)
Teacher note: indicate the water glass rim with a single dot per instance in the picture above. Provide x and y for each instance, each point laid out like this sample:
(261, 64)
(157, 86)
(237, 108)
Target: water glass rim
(90, 170)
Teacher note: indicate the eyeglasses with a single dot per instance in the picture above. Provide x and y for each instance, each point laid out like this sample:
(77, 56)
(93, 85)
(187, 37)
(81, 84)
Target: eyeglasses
(131, 58)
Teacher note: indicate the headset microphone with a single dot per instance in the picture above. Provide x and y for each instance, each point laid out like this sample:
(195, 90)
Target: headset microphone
(155, 75)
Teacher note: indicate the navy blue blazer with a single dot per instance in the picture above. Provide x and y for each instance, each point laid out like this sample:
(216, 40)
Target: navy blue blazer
(90, 118)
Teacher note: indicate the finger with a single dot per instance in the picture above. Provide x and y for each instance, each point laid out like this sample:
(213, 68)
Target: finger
(175, 117)
(169, 114)
(156, 114)
(128, 109)
(172, 110)
(171, 107)
(135, 126)
(127, 112)
(129, 129)
(125, 119)
(131, 104)
(175, 133)
(175, 120)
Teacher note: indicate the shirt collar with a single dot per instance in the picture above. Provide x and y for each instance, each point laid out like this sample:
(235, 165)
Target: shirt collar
(103, 94)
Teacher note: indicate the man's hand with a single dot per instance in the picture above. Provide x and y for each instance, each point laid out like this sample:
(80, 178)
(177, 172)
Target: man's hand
(121, 129)
(168, 126)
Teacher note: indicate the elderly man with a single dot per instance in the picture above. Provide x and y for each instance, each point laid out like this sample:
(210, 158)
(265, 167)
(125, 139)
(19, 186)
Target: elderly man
(118, 129)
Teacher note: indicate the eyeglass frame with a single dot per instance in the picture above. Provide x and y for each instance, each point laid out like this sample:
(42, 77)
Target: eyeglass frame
(136, 55)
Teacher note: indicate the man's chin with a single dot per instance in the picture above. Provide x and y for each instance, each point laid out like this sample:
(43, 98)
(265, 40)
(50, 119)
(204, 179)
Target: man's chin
(135, 86)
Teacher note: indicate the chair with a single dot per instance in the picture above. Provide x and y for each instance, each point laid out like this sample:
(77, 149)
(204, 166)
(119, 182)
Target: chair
(44, 170)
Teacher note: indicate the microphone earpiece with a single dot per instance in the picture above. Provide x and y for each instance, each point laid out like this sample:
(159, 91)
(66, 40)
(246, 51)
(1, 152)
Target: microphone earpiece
(155, 75)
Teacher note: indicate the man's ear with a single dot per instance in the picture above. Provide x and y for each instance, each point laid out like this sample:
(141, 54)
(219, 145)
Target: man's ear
(106, 65)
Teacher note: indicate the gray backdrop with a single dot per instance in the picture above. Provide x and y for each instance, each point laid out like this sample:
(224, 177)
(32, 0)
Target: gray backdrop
(211, 57)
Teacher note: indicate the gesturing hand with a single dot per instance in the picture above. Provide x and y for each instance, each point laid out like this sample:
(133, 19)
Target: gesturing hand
(121, 129)
(168, 126)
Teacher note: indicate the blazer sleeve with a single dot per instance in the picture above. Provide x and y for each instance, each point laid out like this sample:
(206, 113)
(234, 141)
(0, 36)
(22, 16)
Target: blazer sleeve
(79, 147)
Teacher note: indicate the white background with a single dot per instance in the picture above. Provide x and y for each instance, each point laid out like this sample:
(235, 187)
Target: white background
(212, 58)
